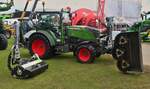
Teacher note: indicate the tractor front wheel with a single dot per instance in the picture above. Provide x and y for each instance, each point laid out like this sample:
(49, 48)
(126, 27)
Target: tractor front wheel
(85, 54)
(40, 45)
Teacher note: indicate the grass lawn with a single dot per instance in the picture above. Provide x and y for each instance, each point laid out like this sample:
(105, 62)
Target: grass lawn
(65, 73)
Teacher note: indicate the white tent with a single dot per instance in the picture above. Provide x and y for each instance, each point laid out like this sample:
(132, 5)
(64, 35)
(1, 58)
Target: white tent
(128, 9)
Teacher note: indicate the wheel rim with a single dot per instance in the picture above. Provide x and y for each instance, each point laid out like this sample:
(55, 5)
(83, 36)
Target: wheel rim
(84, 54)
(123, 40)
(124, 64)
(39, 47)
(119, 53)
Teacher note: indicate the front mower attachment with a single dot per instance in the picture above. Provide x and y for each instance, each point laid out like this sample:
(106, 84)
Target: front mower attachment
(26, 68)
(127, 51)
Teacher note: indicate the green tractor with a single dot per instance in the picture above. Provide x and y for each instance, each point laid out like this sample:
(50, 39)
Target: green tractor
(7, 32)
(5, 6)
(143, 27)
(3, 33)
(50, 36)
(146, 30)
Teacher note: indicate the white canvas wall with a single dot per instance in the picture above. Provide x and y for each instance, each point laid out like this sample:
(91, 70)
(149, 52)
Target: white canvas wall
(129, 9)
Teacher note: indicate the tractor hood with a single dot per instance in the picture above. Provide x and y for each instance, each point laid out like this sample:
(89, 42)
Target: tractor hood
(76, 27)
(83, 32)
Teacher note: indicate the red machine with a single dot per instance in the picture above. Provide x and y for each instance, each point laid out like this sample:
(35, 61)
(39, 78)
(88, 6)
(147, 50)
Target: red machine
(88, 17)
(84, 16)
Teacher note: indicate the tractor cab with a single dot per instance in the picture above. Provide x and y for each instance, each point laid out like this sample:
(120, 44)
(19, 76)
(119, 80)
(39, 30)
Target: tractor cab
(48, 20)
(53, 18)
(55, 21)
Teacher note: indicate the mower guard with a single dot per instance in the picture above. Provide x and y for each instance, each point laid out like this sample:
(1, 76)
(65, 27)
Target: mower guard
(127, 48)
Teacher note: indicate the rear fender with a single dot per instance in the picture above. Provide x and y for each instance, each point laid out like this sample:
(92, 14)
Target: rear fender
(28, 34)
(49, 35)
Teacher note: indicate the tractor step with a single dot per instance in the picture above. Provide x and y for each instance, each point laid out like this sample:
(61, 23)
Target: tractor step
(62, 48)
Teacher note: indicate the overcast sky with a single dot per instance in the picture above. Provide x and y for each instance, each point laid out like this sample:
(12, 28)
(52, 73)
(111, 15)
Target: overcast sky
(75, 4)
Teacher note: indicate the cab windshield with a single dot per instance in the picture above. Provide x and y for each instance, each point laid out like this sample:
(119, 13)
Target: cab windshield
(52, 19)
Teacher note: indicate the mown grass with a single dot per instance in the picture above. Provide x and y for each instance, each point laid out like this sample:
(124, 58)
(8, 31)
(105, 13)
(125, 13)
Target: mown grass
(65, 73)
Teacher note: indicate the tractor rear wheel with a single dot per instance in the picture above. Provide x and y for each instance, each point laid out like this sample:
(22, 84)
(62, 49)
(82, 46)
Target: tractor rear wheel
(40, 45)
(3, 42)
(85, 54)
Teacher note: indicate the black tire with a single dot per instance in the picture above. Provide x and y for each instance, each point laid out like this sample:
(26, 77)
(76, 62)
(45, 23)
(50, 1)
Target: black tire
(48, 51)
(88, 57)
(8, 34)
(3, 42)
(123, 66)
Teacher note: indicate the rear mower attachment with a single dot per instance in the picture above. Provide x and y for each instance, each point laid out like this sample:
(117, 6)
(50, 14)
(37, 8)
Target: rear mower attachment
(127, 51)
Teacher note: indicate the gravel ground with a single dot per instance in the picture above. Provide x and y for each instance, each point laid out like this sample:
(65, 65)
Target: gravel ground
(146, 53)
